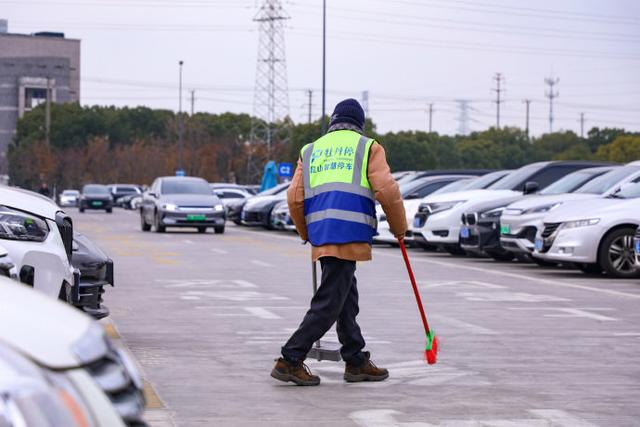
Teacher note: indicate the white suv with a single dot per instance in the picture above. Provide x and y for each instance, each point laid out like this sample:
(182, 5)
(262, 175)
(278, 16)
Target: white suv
(38, 237)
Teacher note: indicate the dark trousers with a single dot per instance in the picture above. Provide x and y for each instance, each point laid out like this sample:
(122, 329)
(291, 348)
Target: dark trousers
(335, 301)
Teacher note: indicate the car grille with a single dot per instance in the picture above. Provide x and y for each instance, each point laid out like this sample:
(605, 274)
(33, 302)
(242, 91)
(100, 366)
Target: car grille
(111, 376)
(550, 228)
(252, 216)
(65, 227)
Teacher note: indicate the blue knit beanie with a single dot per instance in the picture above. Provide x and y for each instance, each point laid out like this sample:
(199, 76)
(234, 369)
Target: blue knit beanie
(348, 111)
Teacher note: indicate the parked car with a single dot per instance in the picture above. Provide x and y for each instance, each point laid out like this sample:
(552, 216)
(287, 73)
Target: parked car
(96, 272)
(256, 211)
(69, 198)
(521, 221)
(412, 193)
(636, 245)
(96, 196)
(118, 191)
(231, 195)
(38, 237)
(438, 222)
(594, 234)
(174, 201)
(71, 367)
(481, 224)
(413, 175)
(281, 218)
(131, 202)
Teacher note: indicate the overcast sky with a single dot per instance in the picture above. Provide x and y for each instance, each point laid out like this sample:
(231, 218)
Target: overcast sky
(406, 53)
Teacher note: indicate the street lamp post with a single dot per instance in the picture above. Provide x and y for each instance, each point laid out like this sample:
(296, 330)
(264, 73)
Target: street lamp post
(324, 63)
(180, 142)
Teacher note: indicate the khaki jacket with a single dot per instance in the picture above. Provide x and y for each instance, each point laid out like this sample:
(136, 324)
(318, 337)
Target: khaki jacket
(386, 191)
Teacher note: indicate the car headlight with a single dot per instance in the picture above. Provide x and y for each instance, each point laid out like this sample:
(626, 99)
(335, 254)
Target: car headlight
(581, 223)
(443, 206)
(30, 395)
(17, 225)
(513, 211)
(169, 207)
(92, 345)
(218, 208)
(542, 209)
(493, 213)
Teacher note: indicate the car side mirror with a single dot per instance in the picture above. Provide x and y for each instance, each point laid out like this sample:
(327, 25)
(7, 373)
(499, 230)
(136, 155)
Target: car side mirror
(531, 187)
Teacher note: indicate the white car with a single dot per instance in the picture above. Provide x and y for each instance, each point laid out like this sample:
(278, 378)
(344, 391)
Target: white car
(56, 362)
(412, 194)
(521, 220)
(595, 234)
(38, 236)
(438, 221)
(69, 198)
(281, 217)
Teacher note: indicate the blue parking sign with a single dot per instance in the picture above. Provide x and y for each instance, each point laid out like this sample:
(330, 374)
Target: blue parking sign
(285, 170)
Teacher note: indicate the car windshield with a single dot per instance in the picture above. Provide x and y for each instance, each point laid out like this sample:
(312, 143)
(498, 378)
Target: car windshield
(515, 178)
(410, 187)
(70, 193)
(485, 181)
(127, 190)
(628, 191)
(604, 183)
(95, 189)
(454, 186)
(185, 186)
(570, 182)
(275, 190)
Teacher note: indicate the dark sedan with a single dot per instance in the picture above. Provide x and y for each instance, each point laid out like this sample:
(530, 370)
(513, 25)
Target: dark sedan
(257, 210)
(181, 202)
(96, 196)
(96, 272)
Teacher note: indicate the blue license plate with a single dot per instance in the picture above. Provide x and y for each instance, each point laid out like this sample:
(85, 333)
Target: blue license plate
(539, 244)
(416, 222)
(638, 246)
(464, 232)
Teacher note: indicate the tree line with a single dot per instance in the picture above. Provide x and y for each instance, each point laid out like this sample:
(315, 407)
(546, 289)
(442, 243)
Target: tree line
(135, 145)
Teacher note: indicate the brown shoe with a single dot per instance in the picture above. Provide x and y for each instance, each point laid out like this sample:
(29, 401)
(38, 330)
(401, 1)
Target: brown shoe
(296, 373)
(366, 372)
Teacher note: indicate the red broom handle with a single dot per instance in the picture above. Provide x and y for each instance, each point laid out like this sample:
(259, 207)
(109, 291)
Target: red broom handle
(415, 286)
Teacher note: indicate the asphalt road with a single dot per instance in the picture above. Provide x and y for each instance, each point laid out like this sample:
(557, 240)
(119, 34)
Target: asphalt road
(205, 315)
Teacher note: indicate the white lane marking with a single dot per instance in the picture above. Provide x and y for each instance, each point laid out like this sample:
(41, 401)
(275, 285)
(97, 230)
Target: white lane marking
(219, 251)
(203, 307)
(207, 283)
(509, 296)
(573, 312)
(464, 325)
(188, 242)
(262, 313)
(627, 334)
(235, 295)
(517, 276)
(245, 284)
(189, 297)
(462, 283)
(544, 417)
(267, 235)
(261, 263)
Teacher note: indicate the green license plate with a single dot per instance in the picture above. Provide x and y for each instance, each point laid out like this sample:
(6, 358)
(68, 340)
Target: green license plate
(196, 217)
(96, 203)
(505, 229)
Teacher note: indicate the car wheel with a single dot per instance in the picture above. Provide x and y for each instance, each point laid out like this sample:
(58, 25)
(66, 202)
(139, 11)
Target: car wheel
(156, 224)
(237, 222)
(616, 255)
(454, 250)
(501, 255)
(81, 210)
(143, 223)
(202, 229)
(218, 230)
(109, 210)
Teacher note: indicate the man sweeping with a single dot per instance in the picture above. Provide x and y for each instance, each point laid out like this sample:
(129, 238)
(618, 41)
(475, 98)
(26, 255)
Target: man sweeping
(332, 203)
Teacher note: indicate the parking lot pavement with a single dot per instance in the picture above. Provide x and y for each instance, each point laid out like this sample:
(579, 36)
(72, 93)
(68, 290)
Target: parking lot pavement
(205, 315)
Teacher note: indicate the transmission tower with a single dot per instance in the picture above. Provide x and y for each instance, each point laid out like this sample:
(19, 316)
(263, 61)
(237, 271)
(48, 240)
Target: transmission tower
(551, 94)
(499, 78)
(463, 118)
(271, 93)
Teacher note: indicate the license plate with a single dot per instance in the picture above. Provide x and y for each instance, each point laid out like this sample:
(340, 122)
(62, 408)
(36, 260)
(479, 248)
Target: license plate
(243, 215)
(539, 244)
(464, 232)
(505, 229)
(196, 217)
(416, 222)
(638, 246)
(96, 203)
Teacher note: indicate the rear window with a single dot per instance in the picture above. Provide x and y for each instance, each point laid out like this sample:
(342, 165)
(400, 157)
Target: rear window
(185, 186)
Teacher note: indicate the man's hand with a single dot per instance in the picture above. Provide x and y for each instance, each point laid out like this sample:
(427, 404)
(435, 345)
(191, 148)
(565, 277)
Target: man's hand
(400, 238)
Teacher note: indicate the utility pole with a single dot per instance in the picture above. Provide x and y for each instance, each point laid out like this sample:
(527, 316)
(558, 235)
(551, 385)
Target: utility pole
(310, 93)
(365, 102)
(180, 142)
(551, 94)
(527, 103)
(498, 90)
(47, 118)
(193, 100)
(324, 65)
(430, 117)
(581, 125)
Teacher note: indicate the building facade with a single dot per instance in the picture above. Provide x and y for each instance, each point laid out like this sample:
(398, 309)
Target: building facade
(32, 68)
